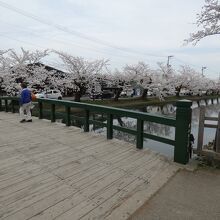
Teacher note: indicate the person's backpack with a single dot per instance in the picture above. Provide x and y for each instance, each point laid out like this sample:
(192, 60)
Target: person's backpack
(33, 97)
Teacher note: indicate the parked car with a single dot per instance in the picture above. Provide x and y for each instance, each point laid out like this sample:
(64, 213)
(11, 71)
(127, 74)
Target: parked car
(53, 94)
(95, 95)
(40, 95)
(50, 94)
(127, 93)
(106, 94)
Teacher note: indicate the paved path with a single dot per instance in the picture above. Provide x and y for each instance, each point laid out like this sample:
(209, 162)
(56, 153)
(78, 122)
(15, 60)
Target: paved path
(50, 171)
(187, 196)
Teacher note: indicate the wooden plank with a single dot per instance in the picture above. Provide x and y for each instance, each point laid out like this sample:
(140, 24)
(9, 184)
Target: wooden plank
(105, 154)
(116, 195)
(11, 172)
(82, 183)
(22, 177)
(61, 207)
(12, 162)
(86, 208)
(131, 204)
(82, 178)
(27, 212)
(88, 168)
(14, 187)
(37, 188)
(106, 193)
(71, 175)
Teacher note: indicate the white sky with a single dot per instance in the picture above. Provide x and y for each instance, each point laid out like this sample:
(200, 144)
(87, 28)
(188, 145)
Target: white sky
(123, 31)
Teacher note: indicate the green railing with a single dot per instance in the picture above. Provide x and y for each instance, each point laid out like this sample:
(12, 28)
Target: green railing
(181, 123)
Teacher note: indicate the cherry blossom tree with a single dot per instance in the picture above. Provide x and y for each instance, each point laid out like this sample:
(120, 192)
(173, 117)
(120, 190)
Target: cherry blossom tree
(83, 74)
(139, 75)
(118, 81)
(183, 79)
(208, 21)
(88, 76)
(164, 81)
(18, 67)
(196, 82)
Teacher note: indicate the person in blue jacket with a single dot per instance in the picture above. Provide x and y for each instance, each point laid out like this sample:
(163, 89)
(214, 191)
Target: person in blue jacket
(25, 104)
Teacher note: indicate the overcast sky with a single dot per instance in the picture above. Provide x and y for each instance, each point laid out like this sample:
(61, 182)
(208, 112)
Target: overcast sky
(123, 31)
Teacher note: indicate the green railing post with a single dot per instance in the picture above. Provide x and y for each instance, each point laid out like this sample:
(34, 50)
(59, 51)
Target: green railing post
(0, 104)
(140, 129)
(52, 116)
(183, 127)
(68, 122)
(86, 124)
(13, 106)
(40, 105)
(6, 105)
(109, 126)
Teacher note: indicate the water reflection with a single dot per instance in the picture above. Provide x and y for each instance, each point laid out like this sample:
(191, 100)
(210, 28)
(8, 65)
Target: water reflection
(209, 133)
(212, 108)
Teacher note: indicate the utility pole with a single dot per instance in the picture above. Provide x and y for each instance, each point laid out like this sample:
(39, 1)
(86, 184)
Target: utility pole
(168, 63)
(203, 68)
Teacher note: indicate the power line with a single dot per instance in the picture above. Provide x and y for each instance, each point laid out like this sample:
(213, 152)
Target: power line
(78, 34)
(72, 32)
(122, 56)
(58, 65)
(63, 42)
(35, 45)
(196, 66)
(25, 42)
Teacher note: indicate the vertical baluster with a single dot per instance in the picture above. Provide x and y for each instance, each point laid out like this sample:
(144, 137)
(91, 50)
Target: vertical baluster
(109, 126)
(6, 105)
(140, 130)
(86, 123)
(53, 116)
(0, 104)
(68, 122)
(40, 105)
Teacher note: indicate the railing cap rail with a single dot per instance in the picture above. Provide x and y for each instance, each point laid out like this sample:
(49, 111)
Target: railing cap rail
(168, 120)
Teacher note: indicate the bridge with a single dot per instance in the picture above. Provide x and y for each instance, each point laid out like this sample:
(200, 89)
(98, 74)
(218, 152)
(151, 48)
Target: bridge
(56, 171)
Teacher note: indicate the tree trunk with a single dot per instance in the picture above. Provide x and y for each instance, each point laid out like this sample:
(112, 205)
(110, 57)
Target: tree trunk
(117, 94)
(77, 96)
(178, 91)
(144, 94)
(122, 124)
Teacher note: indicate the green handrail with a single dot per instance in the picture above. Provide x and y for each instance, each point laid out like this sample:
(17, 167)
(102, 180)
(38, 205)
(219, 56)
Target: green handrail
(181, 123)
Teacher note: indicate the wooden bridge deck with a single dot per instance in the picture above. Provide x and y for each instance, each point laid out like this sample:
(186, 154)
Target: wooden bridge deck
(50, 171)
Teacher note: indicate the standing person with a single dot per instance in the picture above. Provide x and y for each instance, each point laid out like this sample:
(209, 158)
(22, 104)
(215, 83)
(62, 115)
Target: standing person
(25, 104)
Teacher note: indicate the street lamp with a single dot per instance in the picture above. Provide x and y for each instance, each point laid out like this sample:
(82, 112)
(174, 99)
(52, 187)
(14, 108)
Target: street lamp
(203, 68)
